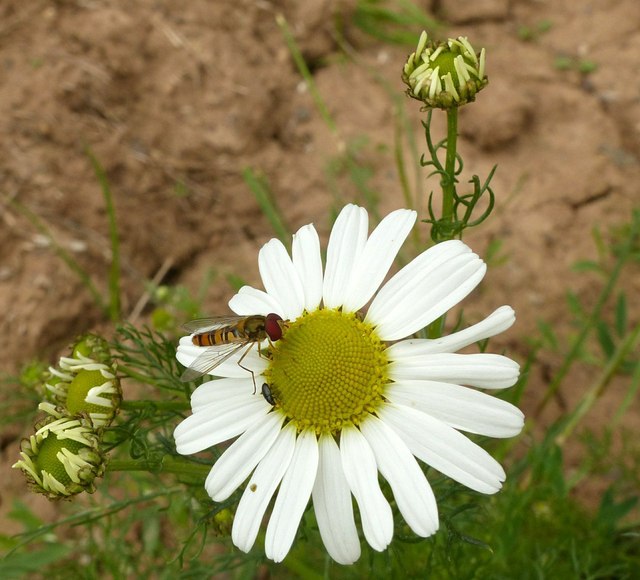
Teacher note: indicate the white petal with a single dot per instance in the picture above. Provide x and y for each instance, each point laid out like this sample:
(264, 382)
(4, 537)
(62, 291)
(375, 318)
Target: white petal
(483, 370)
(444, 448)
(499, 321)
(280, 278)
(220, 392)
(307, 261)
(460, 407)
(188, 352)
(215, 424)
(346, 242)
(412, 491)
(239, 460)
(260, 489)
(333, 507)
(377, 256)
(361, 472)
(425, 289)
(250, 300)
(293, 497)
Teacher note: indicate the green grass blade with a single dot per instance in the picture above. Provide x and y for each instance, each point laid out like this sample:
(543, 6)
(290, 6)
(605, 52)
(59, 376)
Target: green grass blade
(598, 388)
(630, 397)
(625, 254)
(114, 270)
(261, 191)
(621, 315)
(300, 63)
(65, 256)
(398, 22)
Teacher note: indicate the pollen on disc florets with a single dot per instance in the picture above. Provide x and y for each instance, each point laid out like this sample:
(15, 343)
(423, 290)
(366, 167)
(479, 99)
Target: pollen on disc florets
(328, 370)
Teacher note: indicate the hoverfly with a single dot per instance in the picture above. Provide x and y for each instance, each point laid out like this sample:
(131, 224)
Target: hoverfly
(224, 336)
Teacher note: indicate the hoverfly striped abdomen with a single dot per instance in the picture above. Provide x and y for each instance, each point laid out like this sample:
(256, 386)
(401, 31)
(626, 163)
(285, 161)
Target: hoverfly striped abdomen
(224, 335)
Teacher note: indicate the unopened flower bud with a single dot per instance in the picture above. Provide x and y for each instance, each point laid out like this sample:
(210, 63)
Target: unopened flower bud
(444, 74)
(86, 382)
(63, 457)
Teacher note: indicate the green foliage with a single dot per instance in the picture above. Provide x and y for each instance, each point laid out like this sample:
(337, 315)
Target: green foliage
(393, 21)
(567, 63)
(174, 305)
(493, 255)
(304, 71)
(458, 210)
(111, 304)
(260, 188)
(148, 357)
(66, 258)
(21, 394)
(531, 33)
(545, 533)
(353, 170)
(607, 318)
(136, 537)
(114, 269)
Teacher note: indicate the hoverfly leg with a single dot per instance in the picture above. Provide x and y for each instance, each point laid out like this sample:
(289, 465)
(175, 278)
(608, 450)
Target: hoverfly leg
(253, 376)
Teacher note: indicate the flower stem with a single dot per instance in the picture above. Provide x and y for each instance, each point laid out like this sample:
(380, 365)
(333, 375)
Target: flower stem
(167, 464)
(158, 405)
(129, 372)
(161, 405)
(449, 179)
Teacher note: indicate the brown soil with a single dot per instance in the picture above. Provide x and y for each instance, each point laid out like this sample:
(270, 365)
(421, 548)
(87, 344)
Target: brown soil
(181, 97)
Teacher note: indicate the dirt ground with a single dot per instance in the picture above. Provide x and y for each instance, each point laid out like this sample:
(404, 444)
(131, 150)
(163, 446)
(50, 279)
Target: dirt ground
(176, 99)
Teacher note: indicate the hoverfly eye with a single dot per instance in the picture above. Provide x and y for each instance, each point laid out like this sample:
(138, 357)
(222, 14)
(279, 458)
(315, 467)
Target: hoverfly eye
(272, 326)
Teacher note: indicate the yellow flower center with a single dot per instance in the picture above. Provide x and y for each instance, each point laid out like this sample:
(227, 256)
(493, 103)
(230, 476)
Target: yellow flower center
(328, 370)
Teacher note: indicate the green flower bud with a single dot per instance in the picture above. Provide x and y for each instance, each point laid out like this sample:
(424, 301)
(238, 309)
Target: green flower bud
(63, 457)
(444, 74)
(86, 383)
(222, 522)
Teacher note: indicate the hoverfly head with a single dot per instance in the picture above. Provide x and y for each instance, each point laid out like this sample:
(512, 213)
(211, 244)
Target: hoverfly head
(274, 326)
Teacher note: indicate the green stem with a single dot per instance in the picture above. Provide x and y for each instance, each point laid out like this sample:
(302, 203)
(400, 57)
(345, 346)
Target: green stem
(124, 369)
(303, 69)
(168, 464)
(162, 405)
(449, 182)
(629, 398)
(65, 256)
(114, 271)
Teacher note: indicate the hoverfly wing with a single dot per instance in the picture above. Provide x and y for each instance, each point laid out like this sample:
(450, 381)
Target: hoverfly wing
(209, 324)
(212, 357)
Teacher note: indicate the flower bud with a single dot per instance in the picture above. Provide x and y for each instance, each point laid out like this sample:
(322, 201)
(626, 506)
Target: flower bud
(86, 382)
(63, 457)
(222, 522)
(444, 74)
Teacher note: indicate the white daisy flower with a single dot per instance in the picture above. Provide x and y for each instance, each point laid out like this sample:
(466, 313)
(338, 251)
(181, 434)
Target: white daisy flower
(348, 395)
